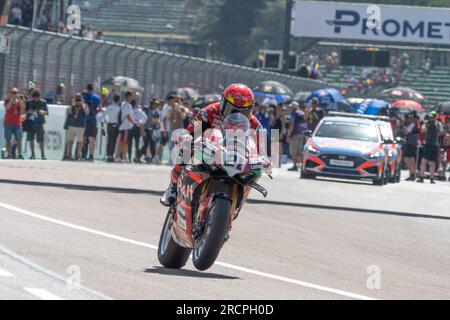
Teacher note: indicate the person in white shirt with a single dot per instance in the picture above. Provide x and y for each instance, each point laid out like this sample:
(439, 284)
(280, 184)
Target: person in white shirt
(138, 131)
(165, 126)
(111, 118)
(126, 125)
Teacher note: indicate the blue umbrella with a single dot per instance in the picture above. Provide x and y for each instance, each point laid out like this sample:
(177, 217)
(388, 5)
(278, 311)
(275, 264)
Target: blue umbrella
(272, 91)
(331, 98)
(262, 97)
(371, 107)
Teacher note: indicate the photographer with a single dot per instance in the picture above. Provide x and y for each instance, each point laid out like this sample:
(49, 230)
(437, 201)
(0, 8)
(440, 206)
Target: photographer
(77, 114)
(15, 107)
(36, 110)
(432, 130)
(295, 134)
(410, 130)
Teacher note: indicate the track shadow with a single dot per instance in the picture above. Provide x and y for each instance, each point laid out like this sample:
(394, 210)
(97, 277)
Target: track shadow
(81, 187)
(157, 193)
(188, 273)
(353, 182)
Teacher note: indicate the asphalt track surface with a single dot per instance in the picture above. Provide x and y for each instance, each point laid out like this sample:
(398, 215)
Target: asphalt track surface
(323, 239)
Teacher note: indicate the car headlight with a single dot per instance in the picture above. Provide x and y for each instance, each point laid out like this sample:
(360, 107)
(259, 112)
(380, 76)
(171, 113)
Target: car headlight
(311, 149)
(375, 155)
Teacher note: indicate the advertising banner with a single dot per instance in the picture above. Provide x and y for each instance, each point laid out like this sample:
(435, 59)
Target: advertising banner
(369, 22)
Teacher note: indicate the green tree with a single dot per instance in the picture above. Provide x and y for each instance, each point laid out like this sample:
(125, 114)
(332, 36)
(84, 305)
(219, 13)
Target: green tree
(226, 27)
(268, 30)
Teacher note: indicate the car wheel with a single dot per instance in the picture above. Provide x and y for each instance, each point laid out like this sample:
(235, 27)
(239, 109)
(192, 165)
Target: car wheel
(307, 175)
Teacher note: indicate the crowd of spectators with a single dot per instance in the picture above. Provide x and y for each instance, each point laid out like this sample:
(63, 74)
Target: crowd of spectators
(134, 132)
(21, 14)
(24, 113)
(425, 140)
(138, 132)
(369, 79)
(291, 121)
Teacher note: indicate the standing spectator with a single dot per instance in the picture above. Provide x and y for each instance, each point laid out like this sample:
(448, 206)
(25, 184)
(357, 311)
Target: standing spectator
(430, 149)
(295, 134)
(16, 15)
(410, 130)
(137, 131)
(152, 127)
(265, 117)
(15, 107)
(76, 122)
(36, 110)
(92, 100)
(111, 118)
(267, 120)
(314, 114)
(447, 144)
(126, 125)
(188, 111)
(165, 126)
(176, 116)
(280, 125)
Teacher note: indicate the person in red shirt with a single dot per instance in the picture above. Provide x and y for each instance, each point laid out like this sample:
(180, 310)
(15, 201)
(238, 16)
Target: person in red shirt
(15, 108)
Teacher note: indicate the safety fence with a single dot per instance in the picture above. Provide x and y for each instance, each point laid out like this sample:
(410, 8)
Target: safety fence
(48, 59)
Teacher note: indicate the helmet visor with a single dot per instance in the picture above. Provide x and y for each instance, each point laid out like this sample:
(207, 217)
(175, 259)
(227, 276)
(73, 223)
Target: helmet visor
(228, 108)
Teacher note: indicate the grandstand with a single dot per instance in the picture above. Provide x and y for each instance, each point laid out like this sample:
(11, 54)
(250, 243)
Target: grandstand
(157, 24)
(434, 85)
(160, 17)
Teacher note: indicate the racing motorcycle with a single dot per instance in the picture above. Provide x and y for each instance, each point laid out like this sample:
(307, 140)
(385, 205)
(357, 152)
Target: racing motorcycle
(211, 193)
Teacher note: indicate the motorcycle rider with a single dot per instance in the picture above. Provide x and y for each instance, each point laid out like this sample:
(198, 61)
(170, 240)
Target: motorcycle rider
(236, 98)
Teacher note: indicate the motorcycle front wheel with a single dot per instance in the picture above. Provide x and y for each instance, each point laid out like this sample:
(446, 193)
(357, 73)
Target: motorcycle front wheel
(171, 254)
(207, 247)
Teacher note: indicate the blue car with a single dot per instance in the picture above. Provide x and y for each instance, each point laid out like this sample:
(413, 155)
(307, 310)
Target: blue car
(352, 146)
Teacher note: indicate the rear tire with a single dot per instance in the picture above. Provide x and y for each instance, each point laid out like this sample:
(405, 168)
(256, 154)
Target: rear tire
(208, 246)
(171, 254)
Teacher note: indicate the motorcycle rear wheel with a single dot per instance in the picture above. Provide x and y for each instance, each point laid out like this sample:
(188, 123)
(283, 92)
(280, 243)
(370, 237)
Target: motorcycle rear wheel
(208, 246)
(171, 254)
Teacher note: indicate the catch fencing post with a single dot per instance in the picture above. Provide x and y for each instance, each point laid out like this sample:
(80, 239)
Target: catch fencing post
(70, 91)
(59, 58)
(83, 60)
(45, 58)
(145, 75)
(4, 77)
(19, 57)
(33, 49)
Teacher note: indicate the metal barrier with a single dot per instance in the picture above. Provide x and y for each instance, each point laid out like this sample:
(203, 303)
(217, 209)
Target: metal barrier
(49, 59)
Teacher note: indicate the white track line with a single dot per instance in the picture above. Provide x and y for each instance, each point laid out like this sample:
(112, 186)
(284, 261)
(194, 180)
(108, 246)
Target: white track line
(42, 294)
(4, 273)
(146, 245)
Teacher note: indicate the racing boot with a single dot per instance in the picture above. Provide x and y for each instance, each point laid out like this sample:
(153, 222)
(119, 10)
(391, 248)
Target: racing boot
(170, 196)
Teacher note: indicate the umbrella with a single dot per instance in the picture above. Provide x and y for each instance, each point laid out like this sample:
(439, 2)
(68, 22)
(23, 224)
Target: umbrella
(123, 83)
(444, 108)
(371, 107)
(404, 93)
(408, 106)
(187, 94)
(330, 97)
(302, 96)
(205, 100)
(272, 90)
